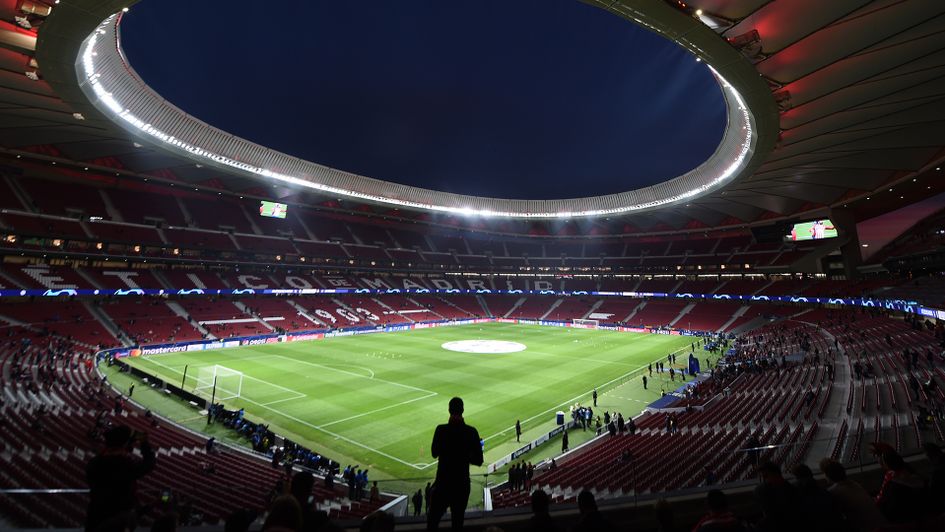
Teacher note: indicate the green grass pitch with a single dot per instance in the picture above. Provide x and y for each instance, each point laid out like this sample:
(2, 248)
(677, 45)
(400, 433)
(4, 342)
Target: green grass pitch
(375, 399)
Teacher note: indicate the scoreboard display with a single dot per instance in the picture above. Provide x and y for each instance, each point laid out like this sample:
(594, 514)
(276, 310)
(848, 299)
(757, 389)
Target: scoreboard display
(813, 230)
(271, 209)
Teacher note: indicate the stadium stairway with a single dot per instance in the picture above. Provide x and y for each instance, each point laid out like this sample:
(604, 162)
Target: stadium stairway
(485, 307)
(394, 312)
(249, 312)
(106, 322)
(556, 304)
(738, 314)
(682, 313)
(318, 324)
(179, 310)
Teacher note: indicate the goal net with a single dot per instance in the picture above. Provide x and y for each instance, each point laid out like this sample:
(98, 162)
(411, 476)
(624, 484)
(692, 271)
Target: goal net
(228, 382)
(584, 324)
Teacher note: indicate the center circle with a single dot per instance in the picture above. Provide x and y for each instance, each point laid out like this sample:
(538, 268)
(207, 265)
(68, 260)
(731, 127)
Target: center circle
(484, 346)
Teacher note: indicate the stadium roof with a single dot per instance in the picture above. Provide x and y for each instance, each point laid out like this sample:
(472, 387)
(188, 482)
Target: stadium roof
(859, 85)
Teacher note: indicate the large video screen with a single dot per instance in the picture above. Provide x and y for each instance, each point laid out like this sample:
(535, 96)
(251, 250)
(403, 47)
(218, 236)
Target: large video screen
(271, 209)
(813, 230)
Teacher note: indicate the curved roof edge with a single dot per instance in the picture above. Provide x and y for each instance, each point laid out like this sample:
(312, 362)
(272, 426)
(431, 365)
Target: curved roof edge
(101, 81)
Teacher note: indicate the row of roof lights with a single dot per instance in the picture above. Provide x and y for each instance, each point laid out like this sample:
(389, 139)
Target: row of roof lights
(88, 58)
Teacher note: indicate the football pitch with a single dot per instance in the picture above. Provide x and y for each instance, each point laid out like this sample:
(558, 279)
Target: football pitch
(375, 399)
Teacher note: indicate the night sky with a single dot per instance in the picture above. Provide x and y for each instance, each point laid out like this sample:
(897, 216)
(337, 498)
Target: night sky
(509, 98)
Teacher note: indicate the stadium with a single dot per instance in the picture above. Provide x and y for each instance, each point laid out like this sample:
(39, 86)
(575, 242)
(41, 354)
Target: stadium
(240, 317)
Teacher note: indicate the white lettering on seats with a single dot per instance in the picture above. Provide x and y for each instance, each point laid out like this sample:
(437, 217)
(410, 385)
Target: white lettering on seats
(367, 314)
(325, 315)
(126, 277)
(247, 281)
(297, 282)
(375, 283)
(442, 284)
(41, 275)
(346, 314)
(411, 284)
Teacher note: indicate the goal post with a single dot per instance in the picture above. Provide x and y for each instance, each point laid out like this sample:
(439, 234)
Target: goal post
(584, 324)
(228, 382)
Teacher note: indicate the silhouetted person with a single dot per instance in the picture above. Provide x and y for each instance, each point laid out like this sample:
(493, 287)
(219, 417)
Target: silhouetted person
(779, 500)
(518, 430)
(456, 445)
(112, 476)
(417, 502)
(239, 521)
(301, 487)
(284, 515)
(591, 519)
(541, 520)
(564, 441)
(817, 503)
(719, 518)
(901, 496)
(851, 499)
(936, 474)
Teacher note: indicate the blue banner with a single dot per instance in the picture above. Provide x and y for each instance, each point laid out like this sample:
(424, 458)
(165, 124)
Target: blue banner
(900, 305)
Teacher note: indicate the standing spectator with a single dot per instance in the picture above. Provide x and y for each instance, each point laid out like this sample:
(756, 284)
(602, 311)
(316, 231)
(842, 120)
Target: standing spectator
(427, 493)
(564, 441)
(936, 475)
(457, 446)
(541, 520)
(518, 430)
(112, 477)
(900, 498)
(644, 382)
(591, 519)
(595, 397)
(417, 502)
(719, 518)
(300, 487)
(850, 498)
(779, 500)
(815, 500)
(284, 515)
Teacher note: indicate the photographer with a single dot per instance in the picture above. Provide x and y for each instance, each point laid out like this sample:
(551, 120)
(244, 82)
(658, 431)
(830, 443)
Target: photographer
(112, 475)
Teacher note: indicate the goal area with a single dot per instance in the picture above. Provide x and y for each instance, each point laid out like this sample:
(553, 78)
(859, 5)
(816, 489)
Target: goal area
(584, 324)
(228, 383)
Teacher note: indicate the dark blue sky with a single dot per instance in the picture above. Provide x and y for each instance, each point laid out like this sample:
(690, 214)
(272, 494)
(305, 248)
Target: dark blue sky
(510, 98)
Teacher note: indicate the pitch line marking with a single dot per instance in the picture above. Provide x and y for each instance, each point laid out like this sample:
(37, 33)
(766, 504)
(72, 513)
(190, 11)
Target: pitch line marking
(369, 370)
(298, 395)
(355, 374)
(307, 424)
(570, 401)
(349, 418)
(284, 400)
